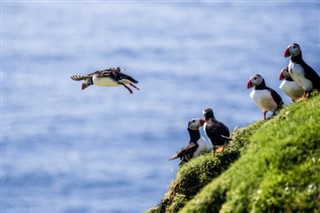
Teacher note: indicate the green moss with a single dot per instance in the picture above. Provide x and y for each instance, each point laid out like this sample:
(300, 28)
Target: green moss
(197, 173)
(279, 171)
(270, 166)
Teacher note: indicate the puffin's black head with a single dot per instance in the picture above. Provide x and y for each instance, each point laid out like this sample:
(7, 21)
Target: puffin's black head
(255, 80)
(195, 123)
(208, 113)
(292, 50)
(86, 83)
(284, 74)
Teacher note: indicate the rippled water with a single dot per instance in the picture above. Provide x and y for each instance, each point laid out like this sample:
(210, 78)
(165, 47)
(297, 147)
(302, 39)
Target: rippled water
(103, 149)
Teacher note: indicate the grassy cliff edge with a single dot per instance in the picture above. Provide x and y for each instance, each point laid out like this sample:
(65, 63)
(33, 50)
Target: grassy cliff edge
(271, 166)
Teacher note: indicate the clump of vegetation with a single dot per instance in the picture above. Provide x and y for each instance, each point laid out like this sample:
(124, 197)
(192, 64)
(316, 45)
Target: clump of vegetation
(271, 166)
(279, 171)
(197, 173)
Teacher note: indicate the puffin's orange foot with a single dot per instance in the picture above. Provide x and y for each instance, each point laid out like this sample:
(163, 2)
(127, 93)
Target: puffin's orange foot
(127, 88)
(307, 94)
(265, 115)
(303, 98)
(220, 149)
(134, 86)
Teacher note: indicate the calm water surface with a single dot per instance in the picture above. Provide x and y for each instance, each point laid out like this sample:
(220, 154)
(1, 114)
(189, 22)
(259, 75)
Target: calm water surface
(103, 149)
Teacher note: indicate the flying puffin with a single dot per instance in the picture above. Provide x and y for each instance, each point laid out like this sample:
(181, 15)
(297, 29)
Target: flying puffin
(197, 144)
(108, 77)
(217, 133)
(266, 98)
(300, 71)
(289, 86)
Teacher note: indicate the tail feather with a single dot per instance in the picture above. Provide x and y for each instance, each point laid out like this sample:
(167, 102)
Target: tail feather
(78, 77)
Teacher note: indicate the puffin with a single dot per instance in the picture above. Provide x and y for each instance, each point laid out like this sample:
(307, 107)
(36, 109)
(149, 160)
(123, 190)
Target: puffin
(289, 86)
(266, 98)
(197, 144)
(108, 77)
(300, 71)
(216, 131)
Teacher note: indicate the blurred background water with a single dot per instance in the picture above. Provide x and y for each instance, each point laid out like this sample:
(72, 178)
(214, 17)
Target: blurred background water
(103, 149)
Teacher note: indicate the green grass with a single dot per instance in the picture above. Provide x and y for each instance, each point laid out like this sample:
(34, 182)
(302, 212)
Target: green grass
(271, 166)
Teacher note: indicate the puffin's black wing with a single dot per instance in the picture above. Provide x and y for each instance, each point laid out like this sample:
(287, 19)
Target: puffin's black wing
(105, 72)
(191, 148)
(121, 76)
(311, 74)
(214, 130)
(276, 97)
(114, 73)
(99, 74)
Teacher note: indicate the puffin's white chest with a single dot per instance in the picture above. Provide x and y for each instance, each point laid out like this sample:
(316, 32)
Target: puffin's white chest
(297, 73)
(292, 89)
(205, 132)
(201, 148)
(104, 81)
(264, 100)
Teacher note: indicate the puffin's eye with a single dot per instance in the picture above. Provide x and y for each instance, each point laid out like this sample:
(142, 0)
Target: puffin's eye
(193, 121)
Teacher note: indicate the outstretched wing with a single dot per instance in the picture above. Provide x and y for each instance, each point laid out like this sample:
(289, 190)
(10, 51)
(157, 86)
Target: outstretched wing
(118, 69)
(102, 73)
(121, 76)
(106, 72)
(111, 72)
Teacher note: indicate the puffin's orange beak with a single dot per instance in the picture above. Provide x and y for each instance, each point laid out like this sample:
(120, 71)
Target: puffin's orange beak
(281, 77)
(83, 86)
(202, 121)
(286, 53)
(249, 84)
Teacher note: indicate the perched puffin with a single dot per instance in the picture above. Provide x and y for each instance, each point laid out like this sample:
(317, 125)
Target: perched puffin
(266, 98)
(300, 71)
(108, 77)
(197, 144)
(217, 133)
(289, 86)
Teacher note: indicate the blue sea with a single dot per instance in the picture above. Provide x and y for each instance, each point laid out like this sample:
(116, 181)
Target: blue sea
(64, 150)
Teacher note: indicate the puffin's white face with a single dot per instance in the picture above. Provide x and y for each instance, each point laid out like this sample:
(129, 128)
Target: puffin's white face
(195, 123)
(254, 81)
(292, 50)
(85, 83)
(284, 74)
